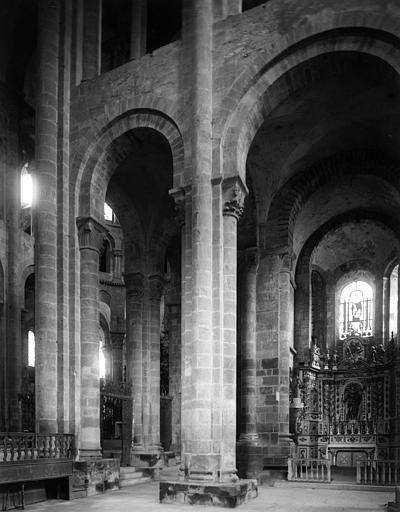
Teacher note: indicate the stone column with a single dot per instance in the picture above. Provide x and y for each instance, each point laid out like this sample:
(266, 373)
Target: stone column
(286, 323)
(249, 460)
(134, 283)
(174, 328)
(91, 236)
(386, 310)
(117, 269)
(180, 317)
(225, 8)
(152, 434)
(274, 339)
(234, 192)
(46, 216)
(199, 457)
(138, 28)
(117, 343)
(91, 46)
(14, 363)
(398, 308)
(378, 312)
(330, 316)
(303, 311)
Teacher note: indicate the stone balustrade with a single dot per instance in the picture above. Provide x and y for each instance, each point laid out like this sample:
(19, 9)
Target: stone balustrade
(22, 446)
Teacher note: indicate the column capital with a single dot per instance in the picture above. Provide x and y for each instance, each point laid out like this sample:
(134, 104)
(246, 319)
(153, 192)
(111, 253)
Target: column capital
(156, 287)
(134, 282)
(91, 233)
(286, 262)
(178, 195)
(234, 192)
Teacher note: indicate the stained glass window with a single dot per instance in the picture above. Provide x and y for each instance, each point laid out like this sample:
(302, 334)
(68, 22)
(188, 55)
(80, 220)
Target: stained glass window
(356, 310)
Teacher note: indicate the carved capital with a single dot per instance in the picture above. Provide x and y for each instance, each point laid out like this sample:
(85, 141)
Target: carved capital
(178, 195)
(134, 283)
(91, 233)
(234, 193)
(286, 260)
(156, 287)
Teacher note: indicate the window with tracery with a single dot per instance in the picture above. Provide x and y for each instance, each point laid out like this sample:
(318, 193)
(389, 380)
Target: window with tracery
(356, 310)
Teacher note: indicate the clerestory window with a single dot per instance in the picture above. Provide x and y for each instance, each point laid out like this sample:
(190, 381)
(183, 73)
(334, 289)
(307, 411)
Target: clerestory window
(356, 310)
(26, 187)
(31, 349)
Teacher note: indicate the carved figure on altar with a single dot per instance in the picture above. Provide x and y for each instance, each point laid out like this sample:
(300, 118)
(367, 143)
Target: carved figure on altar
(315, 355)
(352, 401)
(353, 350)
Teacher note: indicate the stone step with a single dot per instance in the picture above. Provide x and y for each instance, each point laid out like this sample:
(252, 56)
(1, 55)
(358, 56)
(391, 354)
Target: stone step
(334, 485)
(78, 493)
(129, 475)
(129, 470)
(134, 481)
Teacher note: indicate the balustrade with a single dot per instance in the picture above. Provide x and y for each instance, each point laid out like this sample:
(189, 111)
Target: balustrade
(27, 446)
(352, 428)
(378, 472)
(309, 470)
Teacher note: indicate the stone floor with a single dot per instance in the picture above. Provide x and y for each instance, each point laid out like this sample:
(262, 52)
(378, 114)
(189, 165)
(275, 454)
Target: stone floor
(144, 497)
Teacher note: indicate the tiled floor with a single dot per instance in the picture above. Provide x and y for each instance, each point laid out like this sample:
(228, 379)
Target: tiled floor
(144, 497)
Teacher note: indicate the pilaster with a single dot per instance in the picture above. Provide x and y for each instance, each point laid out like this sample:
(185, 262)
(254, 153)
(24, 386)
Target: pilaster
(274, 340)
(91, 236)
(138, 28)
(91, 45)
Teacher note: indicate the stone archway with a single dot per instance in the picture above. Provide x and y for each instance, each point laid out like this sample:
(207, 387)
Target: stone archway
(114, 169)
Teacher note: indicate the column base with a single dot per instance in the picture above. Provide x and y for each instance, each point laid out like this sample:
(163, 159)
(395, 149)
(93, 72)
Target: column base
(227, 495)
(86, 454)
(150, 459)
(249, 457)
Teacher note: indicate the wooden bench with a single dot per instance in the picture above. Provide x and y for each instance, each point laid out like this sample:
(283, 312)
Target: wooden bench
(15, 475)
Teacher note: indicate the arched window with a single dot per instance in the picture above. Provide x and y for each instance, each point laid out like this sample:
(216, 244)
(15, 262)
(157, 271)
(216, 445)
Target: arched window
(105, 257)
(393, 291)
(102, 362)
(109, 214)
(31, 349)
(26, 187)
(356, 310)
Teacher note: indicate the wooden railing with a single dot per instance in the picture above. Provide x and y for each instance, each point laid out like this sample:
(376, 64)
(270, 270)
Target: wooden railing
(309, 470)
(378, 472)
(16, 446)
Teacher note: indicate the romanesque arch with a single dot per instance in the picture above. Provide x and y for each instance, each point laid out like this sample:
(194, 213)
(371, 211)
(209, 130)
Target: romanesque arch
(93, 174)
(255, 97)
